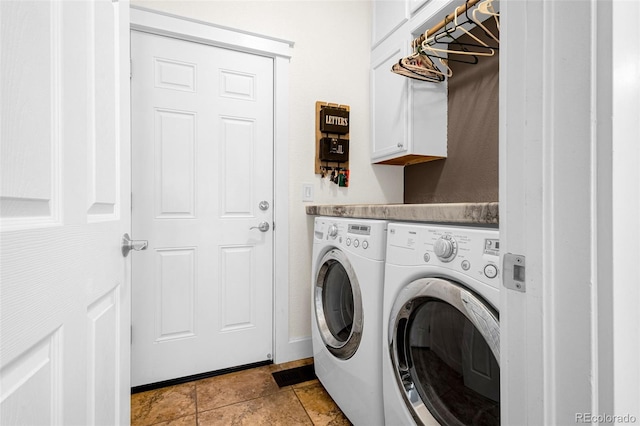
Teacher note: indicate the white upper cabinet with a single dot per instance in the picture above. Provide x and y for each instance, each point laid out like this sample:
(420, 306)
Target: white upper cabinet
(414, 5)
(388, 16)
(389, 95)
(409, 117)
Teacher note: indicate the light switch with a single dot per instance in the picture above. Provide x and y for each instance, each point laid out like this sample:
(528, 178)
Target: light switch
(307, 192)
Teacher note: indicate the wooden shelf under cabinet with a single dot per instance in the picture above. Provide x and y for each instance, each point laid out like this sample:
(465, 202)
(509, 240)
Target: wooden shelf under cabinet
(407, 160)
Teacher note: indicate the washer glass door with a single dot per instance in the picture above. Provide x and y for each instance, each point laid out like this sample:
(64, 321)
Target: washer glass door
(444, 343)
(338, 305)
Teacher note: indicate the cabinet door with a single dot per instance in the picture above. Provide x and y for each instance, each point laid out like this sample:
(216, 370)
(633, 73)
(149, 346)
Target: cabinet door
(389, 101)
(414, 5)
(388, 15)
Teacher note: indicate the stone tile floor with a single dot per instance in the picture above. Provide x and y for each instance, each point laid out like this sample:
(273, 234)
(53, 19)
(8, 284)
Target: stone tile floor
(249, 397)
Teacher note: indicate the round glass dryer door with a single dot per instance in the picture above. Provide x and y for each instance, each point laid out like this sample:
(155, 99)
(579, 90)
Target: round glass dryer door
(338, 305)
(445, 348)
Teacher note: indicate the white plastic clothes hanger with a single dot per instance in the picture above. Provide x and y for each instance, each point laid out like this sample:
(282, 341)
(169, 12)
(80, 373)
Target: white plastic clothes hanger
(455, 21)
(486, 8)
(420, 66)
(429, 42)
(425, 60)
(443, 61)
(422, 74)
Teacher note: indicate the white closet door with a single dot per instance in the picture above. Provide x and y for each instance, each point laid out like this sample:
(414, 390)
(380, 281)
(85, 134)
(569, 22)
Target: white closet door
(64, 193)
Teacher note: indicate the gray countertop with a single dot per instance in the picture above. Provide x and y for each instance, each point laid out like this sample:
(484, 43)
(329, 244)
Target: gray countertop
(468, 213)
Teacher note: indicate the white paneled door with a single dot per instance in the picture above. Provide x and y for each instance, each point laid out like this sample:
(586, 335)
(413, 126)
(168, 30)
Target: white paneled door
(202, 138)
(64, 206)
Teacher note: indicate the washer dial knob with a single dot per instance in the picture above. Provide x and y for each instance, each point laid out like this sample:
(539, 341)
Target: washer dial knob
(446, 248)
(333, 231)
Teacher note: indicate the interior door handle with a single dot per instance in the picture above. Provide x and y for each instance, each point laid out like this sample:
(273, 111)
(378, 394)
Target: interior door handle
(262, 226)
(128, 244)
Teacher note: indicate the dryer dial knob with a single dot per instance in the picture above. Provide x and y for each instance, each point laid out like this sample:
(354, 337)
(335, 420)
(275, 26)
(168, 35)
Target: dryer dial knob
(333, 231)
(445, 248)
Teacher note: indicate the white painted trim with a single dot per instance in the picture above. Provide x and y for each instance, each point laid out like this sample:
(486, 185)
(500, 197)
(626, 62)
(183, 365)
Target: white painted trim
(280, 50)
(625, 207)
(124, 125)
(162, 23)
(520, 155)
(297, 349)
(283, 351)
(570, 202)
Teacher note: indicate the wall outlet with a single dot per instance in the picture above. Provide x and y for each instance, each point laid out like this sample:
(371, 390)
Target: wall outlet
(307, 192)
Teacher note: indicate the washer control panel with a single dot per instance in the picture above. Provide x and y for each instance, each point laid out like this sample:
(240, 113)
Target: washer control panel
(471, 251)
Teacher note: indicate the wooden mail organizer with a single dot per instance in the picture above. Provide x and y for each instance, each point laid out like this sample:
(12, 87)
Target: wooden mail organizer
(332, 142)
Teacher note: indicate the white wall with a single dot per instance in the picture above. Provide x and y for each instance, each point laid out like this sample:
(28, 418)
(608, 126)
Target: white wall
(330, 63)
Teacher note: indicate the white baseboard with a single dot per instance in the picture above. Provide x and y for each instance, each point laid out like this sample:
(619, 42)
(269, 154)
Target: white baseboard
(294, 349)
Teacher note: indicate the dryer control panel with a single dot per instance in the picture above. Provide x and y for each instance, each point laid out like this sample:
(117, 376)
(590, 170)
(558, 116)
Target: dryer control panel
(364, 237)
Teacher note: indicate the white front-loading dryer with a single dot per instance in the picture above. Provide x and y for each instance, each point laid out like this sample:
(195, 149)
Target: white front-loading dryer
(347, 287)
(441, 332)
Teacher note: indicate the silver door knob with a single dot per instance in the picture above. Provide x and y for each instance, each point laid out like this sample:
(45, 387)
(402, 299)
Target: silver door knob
(262, 226)
(128, 244)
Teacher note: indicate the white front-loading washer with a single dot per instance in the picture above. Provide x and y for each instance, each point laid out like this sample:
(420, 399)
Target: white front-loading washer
(347, 277)
(441, 332)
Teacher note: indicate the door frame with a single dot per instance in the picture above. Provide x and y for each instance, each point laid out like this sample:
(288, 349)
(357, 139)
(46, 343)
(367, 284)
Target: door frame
(570, 202)
(165, 24)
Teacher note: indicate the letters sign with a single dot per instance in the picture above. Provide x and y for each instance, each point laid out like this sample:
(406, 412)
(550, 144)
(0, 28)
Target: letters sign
(334, 120)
